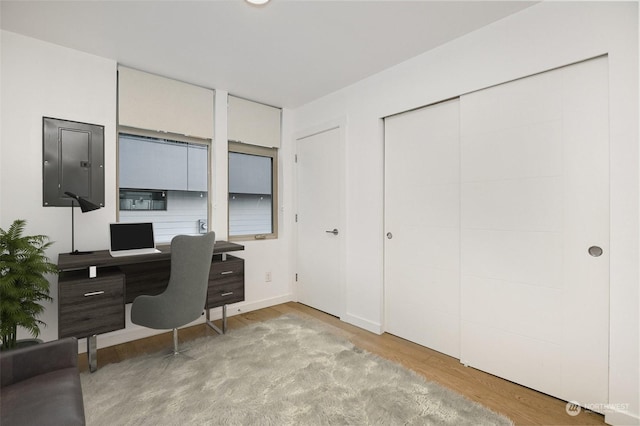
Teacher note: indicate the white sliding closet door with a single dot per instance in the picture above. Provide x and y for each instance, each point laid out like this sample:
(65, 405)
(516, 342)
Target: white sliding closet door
(422, 204)
(534, 199)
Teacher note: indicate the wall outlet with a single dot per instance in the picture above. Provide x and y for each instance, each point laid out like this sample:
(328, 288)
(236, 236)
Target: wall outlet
(267, 277)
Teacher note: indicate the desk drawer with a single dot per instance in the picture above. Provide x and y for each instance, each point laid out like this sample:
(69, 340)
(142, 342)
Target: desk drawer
(88, 306)
(226, 282)
(230, 292)
(233, 266)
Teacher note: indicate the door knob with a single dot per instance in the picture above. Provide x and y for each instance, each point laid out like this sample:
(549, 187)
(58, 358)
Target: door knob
(389, 235)
(334, 232)
(595, 251)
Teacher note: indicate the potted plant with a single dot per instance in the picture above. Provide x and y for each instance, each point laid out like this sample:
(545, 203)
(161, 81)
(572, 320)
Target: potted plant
(23, 265)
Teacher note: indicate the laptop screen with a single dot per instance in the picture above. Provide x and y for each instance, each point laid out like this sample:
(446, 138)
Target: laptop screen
(131, 236)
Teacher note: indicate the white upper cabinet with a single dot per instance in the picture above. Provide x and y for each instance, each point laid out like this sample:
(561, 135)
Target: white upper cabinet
(163, 165)
(197, 166)
(152, 165)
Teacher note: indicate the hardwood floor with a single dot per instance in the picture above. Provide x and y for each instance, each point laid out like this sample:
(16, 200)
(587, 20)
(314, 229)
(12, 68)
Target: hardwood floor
(522, 405)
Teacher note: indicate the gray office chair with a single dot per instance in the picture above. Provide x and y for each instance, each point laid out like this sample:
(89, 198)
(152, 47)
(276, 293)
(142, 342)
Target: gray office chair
(184, 298)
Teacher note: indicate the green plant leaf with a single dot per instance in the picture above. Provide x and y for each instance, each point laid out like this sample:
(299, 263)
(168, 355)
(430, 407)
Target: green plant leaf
(23, 282)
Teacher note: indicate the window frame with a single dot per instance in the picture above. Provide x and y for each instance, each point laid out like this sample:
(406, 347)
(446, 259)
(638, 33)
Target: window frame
(261, 151)
(170, 137)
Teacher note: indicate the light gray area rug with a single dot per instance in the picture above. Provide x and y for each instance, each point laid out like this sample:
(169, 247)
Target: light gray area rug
(285, 371)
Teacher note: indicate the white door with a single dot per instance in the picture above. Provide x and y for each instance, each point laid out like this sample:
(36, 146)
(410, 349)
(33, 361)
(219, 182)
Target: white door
(535, 231)
(422, 221)
(320, 220)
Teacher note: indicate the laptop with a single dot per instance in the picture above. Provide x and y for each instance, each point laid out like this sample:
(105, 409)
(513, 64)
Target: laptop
(130, 239)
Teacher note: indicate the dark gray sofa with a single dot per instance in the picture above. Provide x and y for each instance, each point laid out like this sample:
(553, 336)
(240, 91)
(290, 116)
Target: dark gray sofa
(40, 385)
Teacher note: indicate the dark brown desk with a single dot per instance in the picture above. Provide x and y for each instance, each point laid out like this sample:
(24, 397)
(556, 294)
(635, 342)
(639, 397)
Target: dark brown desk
(88, 306)
(102, 258)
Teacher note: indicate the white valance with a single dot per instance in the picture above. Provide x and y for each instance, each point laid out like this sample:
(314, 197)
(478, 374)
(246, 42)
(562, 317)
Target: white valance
(253, 123)
(148, 101)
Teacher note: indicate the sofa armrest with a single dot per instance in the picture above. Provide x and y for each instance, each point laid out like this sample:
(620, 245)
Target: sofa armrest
(23, 363)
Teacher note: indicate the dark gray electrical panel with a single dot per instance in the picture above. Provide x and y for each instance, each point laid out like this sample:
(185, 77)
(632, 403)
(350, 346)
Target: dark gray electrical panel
(73, 161)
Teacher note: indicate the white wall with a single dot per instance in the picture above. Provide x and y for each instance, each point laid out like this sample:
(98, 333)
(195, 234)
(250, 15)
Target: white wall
(42, 79)
(542, 37)
(273, 255)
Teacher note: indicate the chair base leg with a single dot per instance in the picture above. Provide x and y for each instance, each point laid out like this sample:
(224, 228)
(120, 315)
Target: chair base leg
(175, 341)
(173, 353)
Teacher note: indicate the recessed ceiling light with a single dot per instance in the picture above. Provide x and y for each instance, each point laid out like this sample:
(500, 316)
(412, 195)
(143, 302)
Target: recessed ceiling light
(258, 2)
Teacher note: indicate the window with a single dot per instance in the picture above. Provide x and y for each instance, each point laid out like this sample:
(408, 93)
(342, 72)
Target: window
(164, 181)
(252, 192)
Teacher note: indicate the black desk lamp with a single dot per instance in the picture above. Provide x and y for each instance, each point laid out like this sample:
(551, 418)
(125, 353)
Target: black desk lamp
(85, 206)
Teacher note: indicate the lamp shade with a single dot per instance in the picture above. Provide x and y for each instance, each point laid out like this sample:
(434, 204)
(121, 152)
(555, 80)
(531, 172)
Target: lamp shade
(85, 205)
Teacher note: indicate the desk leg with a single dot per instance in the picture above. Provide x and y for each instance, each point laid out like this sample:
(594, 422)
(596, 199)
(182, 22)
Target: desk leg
(92, 352)
(224, 321)
(224, 318)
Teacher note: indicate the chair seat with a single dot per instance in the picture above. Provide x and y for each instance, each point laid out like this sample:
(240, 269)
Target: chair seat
(160, 313)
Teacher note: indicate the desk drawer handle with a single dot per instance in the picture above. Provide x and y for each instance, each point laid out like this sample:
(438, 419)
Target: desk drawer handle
(226, 272)
(226, 294)
(94, 293)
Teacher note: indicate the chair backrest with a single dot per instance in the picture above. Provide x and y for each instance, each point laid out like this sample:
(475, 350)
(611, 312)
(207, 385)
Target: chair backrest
(191, 258)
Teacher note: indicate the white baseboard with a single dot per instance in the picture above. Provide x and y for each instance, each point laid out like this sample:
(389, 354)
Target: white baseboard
(242, 307)
(619, 418)
(135, 332)
(371, 326)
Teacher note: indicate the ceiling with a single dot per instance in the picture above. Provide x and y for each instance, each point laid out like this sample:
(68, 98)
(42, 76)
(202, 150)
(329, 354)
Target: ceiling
(285, 54)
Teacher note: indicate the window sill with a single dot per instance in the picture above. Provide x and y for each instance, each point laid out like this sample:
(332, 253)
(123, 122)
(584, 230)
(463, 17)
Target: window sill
(259, 237)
